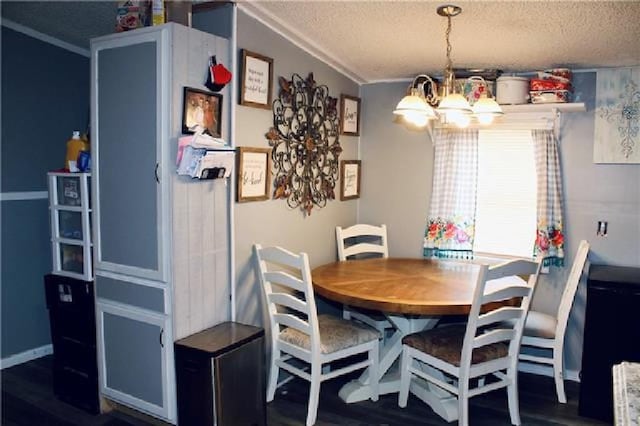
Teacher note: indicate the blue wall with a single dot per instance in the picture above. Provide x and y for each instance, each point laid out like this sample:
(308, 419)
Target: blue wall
(45, 96)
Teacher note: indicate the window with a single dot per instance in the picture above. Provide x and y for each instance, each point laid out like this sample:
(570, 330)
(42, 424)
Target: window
(506, 193)
(496, 192)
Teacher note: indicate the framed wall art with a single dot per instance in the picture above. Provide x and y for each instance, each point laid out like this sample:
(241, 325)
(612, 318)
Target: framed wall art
(204, 109)
(256, 80)
(349, 115)
(254, 174)
(616, 123)
(349, 179)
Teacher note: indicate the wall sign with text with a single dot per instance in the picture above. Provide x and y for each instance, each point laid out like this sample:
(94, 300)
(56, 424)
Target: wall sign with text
(349, 115)
(349, 179)
(254, 174)
(257, 78)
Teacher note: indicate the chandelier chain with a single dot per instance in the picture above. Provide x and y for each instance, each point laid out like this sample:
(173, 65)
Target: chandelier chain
(447, 33)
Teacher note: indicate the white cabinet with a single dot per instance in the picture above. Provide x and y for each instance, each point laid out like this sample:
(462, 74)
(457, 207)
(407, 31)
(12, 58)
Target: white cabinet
(130, 76)
(135, 344)
(162, 240)
(70, 212)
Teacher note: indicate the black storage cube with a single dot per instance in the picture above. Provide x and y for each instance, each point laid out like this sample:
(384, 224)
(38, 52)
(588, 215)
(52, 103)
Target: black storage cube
(611, 335)
(73, 333)
(220, 376)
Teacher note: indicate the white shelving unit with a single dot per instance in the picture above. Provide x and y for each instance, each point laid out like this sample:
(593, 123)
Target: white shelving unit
(550, 107)
(70, 210)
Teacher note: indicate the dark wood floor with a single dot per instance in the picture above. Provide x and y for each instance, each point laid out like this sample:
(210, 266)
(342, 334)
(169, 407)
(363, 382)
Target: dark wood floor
(28, 400)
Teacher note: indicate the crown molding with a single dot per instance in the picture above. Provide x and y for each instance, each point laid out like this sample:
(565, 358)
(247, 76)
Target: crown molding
(258, 12)
(390, 80)
(45, 38)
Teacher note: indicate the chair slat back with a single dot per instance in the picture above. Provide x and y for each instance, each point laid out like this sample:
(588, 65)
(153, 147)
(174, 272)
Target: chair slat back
(516, 288)
(476, 334)
(494, 336)
(285, 278)
(571, 287)
(290, 320)
(288, 301)
(514, 267)
(362, 247)
(499, 315)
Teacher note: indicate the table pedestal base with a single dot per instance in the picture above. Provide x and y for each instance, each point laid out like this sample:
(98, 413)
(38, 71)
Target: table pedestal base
(356, 391)
(443, 403)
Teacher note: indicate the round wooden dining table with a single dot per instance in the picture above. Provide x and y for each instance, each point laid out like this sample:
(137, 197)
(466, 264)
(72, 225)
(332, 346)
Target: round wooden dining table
(401, 286)
(413, 294)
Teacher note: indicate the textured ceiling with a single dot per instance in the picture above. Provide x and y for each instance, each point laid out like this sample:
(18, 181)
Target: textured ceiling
(71, 21)
(399, 39)
(385, 40)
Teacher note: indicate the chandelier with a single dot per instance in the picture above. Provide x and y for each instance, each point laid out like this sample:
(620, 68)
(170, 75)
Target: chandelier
(417, 107)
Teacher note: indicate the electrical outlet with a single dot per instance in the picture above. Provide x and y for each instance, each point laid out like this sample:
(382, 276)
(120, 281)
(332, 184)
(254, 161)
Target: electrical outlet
(602, 228)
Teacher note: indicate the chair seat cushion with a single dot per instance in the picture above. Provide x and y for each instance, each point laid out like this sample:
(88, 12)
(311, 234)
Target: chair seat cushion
(540, 325)
(445, 343)
(335, 334)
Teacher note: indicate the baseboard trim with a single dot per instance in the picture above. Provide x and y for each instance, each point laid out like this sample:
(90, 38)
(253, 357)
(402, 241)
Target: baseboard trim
(26, 356)
(545, 370)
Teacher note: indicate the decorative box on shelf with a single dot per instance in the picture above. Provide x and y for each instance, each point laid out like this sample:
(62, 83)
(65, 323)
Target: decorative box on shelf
(70, 209)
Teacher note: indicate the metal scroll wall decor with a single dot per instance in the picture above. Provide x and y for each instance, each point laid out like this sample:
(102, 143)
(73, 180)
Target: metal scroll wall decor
(305, 143)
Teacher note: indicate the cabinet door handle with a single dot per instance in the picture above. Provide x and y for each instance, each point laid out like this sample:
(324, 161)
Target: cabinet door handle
(162, 337)
(156, 173)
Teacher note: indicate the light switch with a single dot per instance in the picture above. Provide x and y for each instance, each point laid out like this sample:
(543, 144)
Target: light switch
(602, 228)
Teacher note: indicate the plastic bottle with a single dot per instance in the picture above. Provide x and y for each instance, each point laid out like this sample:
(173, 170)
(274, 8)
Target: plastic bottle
(74, 146)
(157, 12)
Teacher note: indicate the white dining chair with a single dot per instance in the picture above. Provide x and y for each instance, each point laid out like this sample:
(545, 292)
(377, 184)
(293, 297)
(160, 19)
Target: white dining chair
(299, 333)
(358, 241)
(547, 332)
(463, 352)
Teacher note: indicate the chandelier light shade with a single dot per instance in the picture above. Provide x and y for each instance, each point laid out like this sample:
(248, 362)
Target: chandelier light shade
(485, 108)
(415, 107)
(451, 107)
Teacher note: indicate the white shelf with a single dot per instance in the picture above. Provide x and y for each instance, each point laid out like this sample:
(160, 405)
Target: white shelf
(71, 257)
(551, 107)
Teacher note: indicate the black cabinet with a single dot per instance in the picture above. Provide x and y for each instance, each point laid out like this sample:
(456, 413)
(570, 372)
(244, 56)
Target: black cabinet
(611, 334)
(220, 376)
(73, 334)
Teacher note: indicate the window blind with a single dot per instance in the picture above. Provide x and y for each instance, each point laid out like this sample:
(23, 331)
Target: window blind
(506, 194)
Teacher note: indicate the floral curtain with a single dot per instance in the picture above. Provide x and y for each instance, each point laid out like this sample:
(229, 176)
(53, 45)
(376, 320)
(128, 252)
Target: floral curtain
(550, 232)
(451, 220)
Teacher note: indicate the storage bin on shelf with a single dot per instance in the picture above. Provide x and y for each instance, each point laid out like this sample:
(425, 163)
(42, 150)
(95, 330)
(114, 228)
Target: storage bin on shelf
(551, 86)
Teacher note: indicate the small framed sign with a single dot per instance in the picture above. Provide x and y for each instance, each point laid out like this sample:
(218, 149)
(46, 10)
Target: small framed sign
(257, 80)
(349, 115)
(349, 179)
(254, 174)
